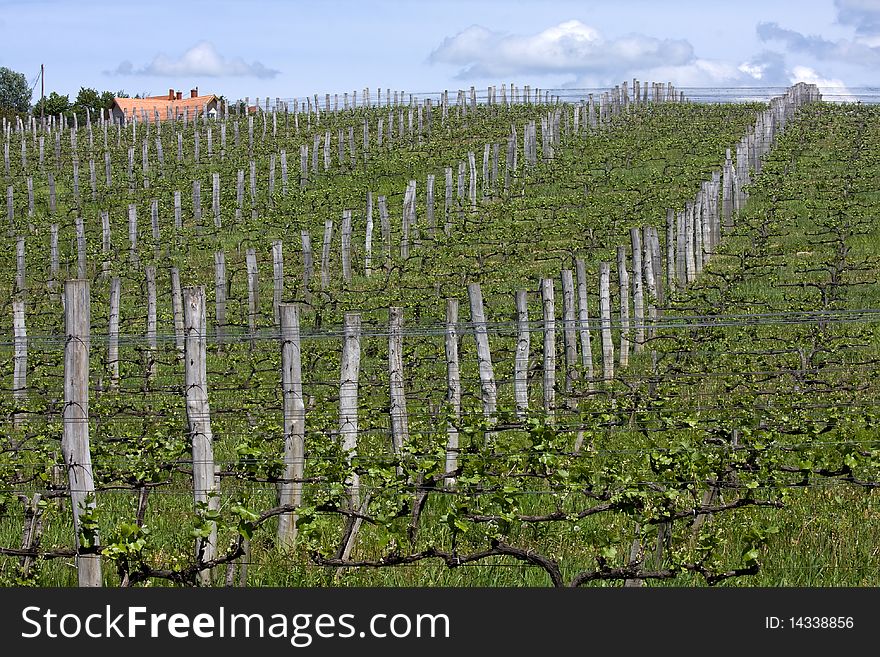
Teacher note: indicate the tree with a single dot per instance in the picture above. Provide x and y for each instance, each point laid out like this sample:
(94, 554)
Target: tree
(15, 95)
(87, 99)
(53, 104)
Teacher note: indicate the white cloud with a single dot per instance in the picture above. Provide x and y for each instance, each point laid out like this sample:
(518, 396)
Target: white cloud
(830, 88)
(570, 47)
(200, 60)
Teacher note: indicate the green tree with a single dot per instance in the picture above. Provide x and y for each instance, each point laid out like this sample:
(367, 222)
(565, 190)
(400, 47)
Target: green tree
(15, 95)
(53, 104)
(87, 99)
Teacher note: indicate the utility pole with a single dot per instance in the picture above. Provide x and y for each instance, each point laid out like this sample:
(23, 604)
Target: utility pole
(42, 97)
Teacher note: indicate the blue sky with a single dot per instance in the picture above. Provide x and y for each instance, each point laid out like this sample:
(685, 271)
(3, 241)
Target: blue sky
(289, 49)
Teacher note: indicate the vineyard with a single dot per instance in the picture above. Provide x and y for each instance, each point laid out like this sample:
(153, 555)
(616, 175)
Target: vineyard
(506, 341)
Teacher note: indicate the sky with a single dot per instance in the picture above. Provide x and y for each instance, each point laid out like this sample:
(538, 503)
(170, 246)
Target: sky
(292, 49)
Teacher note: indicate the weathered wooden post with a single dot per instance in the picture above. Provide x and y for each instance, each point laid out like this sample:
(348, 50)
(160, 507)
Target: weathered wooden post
(277, 279)
(584, 322)
(75, 438)
(198, 412)
(348, 399)
(253, 292)
(484, 356)
(605, 318)
(623, 280)
(308, 265)
(291, 488)
(152, 363)
(549, 329)
(220, 295)
(345, 245)
(397, 409)
(113, 332)
(521, 359)
(325, 254)
(20, 348)
(569, 332)
(453, 389)
(177, 309)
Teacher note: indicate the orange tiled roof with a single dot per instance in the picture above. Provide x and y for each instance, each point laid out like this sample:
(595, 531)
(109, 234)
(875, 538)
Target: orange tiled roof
(161, 104)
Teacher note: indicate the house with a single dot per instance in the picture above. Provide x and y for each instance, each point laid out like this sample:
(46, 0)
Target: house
(167, 107)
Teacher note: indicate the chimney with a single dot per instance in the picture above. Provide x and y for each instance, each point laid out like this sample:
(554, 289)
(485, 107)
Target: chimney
(179, 95)
(171, 94)
(193, 93)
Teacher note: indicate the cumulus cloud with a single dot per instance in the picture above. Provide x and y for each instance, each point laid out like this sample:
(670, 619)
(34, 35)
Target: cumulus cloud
(863, 15)
(570, 47)
(863, 49)
(202, 59)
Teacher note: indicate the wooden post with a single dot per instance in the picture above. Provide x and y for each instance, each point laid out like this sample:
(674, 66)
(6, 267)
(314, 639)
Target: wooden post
(150, 272)
(177, 309)
(671, 268)
(198, 412)
(113, 332)
(429, 206)
(569, 328)
(638, 288)
(605, 318)
(325, 254)
(549, 327)
(484, 356)
(291, 488)
(215, 198)
(397, 410)
(20, 272)
(346, 246)
(308, 265)
(447, 202)
(277, 279)
(453, 389)
(521, 360)
(75, 438)
(368, 239)
(690, 260)
(80, 247)
(132, 233)
(178, 212)
(20, 346)
(348, 399)
(584, 321)
(650, 277)
(680, 240)
(472, 180)
(220, 295)
(253, 292)
(623, 280)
